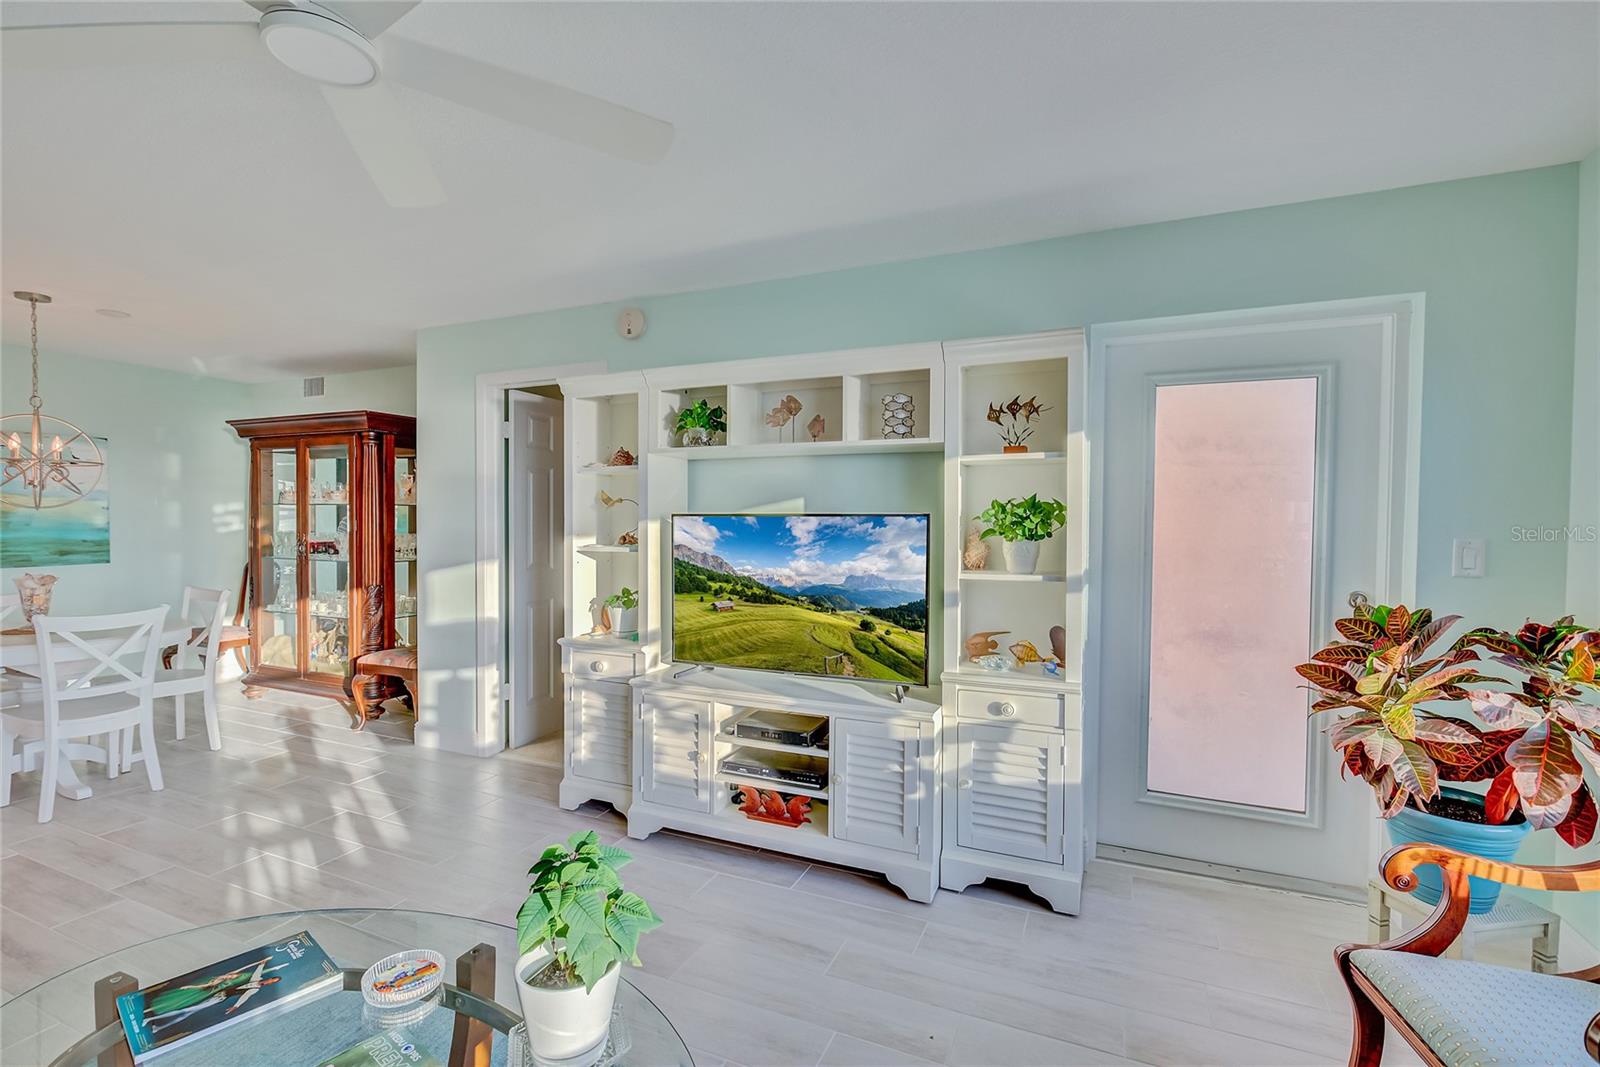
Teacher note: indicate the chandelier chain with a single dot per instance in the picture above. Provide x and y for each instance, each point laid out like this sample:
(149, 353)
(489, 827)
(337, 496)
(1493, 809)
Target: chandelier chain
(33, 322)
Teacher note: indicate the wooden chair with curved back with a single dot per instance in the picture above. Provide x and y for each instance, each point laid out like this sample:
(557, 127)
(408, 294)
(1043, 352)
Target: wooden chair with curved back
(1459, 1012)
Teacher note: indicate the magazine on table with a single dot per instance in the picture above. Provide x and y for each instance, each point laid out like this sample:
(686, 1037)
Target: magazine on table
(175, 1012)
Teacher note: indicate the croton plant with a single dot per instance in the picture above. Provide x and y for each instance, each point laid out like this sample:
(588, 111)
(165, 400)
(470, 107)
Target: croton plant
(1535, 727)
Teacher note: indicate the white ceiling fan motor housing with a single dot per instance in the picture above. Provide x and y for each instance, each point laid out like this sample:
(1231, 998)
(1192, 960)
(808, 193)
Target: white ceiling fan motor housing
(312, 41)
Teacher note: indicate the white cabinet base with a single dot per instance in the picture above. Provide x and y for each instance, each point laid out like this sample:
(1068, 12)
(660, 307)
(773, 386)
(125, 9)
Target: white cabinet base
(1062, 891)
(918, 879)
(576, 791)
(878, 811)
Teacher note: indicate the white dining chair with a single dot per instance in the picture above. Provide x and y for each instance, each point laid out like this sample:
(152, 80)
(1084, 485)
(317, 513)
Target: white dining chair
(195, 668)
(86, 689)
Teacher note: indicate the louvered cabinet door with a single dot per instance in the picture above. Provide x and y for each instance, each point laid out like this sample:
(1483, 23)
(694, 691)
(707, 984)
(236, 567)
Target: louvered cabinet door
(876, 796)
(1010, 791)
(602, 726)
(675, 753)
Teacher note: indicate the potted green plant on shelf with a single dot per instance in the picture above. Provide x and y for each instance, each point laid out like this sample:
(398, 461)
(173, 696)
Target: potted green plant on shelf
(700, 422)
(1535, 730)
(574, 932)
(1022, 525)
(626, 604)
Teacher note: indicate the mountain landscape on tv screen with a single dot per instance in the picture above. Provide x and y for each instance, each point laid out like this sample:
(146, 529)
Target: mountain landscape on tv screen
(844, 596)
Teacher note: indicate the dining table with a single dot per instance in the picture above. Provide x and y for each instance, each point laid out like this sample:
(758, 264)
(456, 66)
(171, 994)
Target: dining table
(19, 652)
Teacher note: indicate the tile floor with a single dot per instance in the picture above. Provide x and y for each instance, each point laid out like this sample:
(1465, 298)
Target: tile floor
(763, 959)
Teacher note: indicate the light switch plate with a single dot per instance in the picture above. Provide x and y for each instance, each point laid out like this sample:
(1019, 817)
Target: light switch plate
(1467, 557)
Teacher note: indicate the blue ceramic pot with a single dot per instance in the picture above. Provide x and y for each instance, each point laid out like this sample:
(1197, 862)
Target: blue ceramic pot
(1479, 839)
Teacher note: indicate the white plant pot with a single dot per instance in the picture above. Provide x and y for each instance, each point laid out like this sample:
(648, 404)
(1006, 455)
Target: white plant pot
(566, 1026)
(1022, 557)
(625, 620)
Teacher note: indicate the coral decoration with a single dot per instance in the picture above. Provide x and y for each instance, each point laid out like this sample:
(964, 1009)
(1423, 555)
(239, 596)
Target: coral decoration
(1025, 653)
(769, 806)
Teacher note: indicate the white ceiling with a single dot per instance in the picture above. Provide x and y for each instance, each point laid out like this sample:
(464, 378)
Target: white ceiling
(221, 206)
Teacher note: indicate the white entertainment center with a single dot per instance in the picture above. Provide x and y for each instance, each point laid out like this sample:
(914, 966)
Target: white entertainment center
(978, 775)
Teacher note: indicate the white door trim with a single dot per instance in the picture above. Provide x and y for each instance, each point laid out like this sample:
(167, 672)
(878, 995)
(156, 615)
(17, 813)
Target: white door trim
(489, 726)
(1399, 446)
(1325, 377)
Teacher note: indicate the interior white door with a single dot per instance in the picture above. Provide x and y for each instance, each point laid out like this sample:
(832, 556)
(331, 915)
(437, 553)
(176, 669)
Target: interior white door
(1253, 473)
(535, 530)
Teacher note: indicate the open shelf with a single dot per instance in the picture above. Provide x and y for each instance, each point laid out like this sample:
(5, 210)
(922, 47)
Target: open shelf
(775, 784)
(603, 471)
(1007, 576)
(608, 550)
(988, 458)
(817, 827)
(726, 736)
(811, 448)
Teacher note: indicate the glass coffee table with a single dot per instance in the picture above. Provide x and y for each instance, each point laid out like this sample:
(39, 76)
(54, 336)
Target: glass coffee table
(70, 1021)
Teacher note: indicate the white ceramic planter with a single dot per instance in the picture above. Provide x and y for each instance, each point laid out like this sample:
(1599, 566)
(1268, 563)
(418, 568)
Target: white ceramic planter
(567, 1026)
(625, 620)
(1022, 557)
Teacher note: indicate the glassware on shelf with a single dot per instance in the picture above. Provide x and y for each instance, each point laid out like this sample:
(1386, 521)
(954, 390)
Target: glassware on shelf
(342, 537)
(284, 599)
(405, 546)
(405, 604)
(406, 490)
(334, 604)
(287, 493)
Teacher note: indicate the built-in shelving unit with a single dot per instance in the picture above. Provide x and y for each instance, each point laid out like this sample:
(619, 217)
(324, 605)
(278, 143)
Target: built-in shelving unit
(1012, 744)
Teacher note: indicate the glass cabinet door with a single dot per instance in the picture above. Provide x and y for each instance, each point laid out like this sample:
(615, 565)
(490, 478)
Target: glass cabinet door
(405, 547)
(277, 548)
(327, 557)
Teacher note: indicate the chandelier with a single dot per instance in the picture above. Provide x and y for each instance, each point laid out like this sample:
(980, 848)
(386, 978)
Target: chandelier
(45, 462)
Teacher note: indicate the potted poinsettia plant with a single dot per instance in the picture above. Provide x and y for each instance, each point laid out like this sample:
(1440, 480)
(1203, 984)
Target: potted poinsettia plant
(1534, 730)
(1022, 525)
(574, 932)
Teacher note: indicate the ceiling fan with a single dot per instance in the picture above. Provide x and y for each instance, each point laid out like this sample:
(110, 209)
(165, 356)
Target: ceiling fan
(336, 45)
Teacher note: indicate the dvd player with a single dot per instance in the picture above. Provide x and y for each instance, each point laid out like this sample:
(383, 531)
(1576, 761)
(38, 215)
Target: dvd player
(786, 728)
(777, 767)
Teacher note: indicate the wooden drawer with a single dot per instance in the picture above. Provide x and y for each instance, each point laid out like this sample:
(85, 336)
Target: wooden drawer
(586, 663)
(1034, 709)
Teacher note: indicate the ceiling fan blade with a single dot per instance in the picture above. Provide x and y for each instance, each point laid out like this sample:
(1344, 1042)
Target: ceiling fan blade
(371, 17)
(540, 105)
(102, 44)
(384, 141)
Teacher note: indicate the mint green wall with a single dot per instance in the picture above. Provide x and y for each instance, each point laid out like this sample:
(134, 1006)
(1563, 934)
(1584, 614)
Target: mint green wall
(177, 472)
(1495, 256)
(393, 389)
(177, 476)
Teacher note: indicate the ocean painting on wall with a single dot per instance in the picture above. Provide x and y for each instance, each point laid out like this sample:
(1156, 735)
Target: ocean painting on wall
(79, 532)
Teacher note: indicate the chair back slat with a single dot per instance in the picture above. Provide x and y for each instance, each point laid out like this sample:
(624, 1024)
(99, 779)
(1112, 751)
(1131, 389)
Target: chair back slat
(71, 641)
(203, 613)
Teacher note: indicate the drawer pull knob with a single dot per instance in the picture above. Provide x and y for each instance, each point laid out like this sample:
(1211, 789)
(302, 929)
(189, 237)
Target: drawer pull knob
(1008, 710)
(598, 666)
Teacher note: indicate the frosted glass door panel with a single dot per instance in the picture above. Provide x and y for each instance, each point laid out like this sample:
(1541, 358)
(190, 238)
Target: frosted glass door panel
(1230, 590)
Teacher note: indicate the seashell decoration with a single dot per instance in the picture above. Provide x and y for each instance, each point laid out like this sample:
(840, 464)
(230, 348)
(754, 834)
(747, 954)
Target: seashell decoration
(1025, 653)
(974, 550)
(622, 458)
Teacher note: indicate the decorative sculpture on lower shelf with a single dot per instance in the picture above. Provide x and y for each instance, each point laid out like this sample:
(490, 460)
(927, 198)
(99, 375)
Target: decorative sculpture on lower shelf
(629, 538)
(982, 643)
(622, 458)
(769, 806)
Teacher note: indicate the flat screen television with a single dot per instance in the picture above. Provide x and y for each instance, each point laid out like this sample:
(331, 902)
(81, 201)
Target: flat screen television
(841, 596)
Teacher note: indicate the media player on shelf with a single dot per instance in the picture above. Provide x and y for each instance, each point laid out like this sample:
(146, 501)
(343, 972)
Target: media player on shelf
(805, 731)
(808, 771)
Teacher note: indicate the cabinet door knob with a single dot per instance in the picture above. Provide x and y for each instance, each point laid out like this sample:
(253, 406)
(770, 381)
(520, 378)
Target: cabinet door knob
(1007, 709)
(966, 783)
(598, 666)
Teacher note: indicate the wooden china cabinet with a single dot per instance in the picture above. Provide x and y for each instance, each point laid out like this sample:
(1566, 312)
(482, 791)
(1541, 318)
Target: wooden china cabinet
(333, 546)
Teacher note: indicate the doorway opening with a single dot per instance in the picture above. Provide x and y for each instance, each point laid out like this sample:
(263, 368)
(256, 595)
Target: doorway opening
(534, 588)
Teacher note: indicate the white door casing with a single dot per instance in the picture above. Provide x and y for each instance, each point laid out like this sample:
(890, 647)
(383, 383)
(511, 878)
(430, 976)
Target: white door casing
(535, 533)
(1351, 370)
